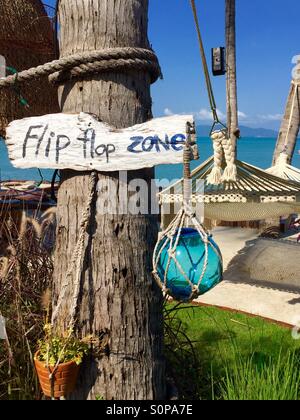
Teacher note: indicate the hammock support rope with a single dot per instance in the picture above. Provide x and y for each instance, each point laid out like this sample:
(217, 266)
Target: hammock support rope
(223, 145)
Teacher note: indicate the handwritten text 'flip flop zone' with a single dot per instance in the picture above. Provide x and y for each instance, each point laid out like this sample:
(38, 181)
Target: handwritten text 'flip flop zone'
(139, 144)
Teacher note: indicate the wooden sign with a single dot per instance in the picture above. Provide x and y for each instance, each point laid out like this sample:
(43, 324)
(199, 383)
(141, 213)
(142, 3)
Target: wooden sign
(80, 142)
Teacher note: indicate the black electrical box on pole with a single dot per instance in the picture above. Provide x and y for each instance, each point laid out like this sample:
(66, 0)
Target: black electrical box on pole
(218, 61)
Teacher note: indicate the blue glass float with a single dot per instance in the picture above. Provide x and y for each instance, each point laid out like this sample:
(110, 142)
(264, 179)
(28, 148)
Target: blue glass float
(190, 254)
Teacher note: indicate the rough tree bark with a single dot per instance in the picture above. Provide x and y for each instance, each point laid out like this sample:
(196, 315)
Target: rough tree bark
(289, 130)
(231, 80)
(119, 301)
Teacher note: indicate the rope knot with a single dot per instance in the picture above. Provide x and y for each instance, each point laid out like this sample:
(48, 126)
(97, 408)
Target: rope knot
(172, 253)
(223, 148)
(165, 289)
(195, 293)
(215, 177)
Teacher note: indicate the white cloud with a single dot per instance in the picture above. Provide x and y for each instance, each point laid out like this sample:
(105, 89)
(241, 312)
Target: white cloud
(242, 115)
(271, 117)
(168, 112)
(203, 115)
(206, 115)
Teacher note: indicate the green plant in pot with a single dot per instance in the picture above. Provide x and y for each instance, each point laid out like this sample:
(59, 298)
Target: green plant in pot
(58, 361)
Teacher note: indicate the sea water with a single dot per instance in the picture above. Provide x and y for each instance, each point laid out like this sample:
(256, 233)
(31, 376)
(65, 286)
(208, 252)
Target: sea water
(256, 151)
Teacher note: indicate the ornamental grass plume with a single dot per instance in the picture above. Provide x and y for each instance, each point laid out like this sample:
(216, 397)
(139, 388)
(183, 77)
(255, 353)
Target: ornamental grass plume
(25, 295)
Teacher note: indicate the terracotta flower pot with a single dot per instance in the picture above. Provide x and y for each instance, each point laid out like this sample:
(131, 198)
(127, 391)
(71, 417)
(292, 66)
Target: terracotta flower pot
(65, 377)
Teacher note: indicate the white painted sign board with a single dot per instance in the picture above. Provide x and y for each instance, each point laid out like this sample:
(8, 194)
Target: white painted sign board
(80, 142)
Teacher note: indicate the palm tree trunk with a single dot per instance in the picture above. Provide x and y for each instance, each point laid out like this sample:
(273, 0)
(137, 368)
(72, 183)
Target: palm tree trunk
(290, 126)
(231, 85)
(119, 303)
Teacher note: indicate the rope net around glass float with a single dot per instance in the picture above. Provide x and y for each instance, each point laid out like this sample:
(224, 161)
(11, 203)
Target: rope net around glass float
(171, 239)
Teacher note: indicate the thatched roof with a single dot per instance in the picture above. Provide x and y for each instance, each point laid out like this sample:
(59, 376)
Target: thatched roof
(26, 40)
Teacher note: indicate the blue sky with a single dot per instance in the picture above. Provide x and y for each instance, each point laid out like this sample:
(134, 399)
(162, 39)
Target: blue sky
(268, 34)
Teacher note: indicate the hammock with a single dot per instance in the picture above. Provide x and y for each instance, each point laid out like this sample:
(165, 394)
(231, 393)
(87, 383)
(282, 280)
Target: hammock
(186, 261)
(255, 195)
(234, 191)
(283, 170)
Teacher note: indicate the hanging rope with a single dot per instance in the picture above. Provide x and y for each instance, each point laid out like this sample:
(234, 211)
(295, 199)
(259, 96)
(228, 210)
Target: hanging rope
(172, 236)
(76, 263)
(230, 172)
(222, 143)
(190, 153)
(215, 177)
(210, 91)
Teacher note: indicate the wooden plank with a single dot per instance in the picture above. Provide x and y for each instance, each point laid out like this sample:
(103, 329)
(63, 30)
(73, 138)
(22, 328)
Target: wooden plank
(80, 142)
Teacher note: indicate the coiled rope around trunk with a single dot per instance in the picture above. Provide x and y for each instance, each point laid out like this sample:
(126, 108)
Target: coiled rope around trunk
(92, 62)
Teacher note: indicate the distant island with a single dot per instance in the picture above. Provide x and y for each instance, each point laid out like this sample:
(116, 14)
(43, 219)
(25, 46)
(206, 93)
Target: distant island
(203, 131)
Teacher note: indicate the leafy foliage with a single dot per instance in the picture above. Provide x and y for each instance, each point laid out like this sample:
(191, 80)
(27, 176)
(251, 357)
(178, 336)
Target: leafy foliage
(54, 349)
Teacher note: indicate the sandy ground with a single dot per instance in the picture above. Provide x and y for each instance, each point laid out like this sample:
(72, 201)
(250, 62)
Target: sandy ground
(232, 240)
(267, 302)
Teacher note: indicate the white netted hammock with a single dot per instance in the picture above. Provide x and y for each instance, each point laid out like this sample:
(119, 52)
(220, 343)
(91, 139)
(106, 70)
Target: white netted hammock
(284, 170)
(253, 195)
(234, 191)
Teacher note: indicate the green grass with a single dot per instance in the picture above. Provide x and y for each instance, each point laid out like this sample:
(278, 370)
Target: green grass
(235, 356)
(274, 378)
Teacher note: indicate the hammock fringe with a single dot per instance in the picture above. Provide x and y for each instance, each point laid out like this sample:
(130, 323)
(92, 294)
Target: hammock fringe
(230, 173)
(215, 177)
